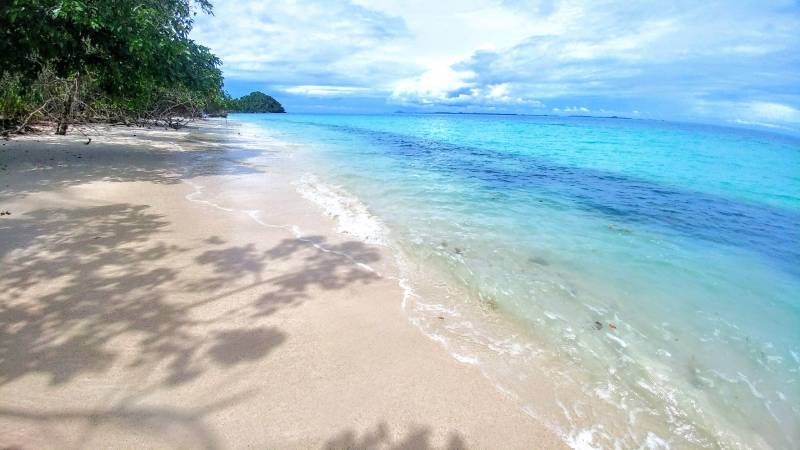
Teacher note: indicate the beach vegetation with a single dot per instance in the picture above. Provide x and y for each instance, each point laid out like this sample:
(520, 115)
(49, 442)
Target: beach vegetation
(128, 61)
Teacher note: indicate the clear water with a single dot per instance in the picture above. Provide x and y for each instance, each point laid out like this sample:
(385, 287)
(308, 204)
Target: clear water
(650, 271)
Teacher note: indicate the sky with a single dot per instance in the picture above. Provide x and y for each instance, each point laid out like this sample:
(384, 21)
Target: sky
(734, 62)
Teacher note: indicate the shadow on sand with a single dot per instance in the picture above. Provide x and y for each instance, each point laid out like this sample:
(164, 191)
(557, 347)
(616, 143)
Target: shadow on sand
(63, 163)
(418, 437)
(88, 292)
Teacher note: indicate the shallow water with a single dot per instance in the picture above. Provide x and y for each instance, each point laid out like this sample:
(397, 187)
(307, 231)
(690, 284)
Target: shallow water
(650, 271)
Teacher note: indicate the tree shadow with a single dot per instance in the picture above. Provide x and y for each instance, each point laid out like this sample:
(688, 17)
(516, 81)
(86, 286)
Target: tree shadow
(326, 266)
(181, 427)
(97, 267)
(91, 291)
(235, 346)
(323, 265)
(155, 159)
(417, 438)
(74, 280)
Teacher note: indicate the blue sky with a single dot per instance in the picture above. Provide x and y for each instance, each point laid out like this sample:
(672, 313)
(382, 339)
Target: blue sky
(734, 62)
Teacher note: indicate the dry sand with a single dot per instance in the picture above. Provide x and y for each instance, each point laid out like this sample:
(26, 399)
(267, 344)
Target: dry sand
(143, 305)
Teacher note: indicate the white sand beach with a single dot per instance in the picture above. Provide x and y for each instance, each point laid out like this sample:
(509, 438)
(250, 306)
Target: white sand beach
(159, 291)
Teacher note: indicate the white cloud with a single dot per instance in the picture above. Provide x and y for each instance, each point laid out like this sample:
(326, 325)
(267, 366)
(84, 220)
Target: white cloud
(756, 123)
(303, 43)
(757, 113)
(763, 114)
(445, 31)
(499, 91)
(435, 85)
(773, 112)
(446, 86)
(325, 91)
(575, 109)
(676, 59)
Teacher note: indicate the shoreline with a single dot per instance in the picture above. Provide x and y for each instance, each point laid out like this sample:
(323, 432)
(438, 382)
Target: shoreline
(193, 299)
(583, 362)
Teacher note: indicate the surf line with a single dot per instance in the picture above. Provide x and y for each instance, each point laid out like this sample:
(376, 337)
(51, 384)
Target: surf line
(293, 229)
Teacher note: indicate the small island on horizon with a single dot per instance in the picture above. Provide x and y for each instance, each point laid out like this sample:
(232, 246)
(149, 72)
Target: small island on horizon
(254, 102)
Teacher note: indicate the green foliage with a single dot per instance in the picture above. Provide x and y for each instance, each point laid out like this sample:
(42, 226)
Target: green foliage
(257, 102)
(27, 98)
(12, 96)
(220, 105)
(129, 56)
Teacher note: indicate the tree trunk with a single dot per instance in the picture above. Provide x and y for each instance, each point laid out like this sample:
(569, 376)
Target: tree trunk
(69, 108)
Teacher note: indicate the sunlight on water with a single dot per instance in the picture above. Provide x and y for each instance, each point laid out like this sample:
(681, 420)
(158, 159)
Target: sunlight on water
(650, 272)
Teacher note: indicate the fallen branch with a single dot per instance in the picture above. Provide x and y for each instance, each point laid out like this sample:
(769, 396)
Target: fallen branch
(27, 119)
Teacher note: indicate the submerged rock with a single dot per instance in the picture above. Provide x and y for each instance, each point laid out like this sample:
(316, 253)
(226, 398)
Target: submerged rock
(539, 260)
(490, 303)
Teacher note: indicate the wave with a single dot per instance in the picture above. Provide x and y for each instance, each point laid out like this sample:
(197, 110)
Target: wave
(351, 215)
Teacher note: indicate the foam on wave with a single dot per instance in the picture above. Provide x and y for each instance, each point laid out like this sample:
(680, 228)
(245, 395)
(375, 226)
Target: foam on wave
(352, 216)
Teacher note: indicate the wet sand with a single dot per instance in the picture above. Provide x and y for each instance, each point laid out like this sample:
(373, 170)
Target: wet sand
(168, 289)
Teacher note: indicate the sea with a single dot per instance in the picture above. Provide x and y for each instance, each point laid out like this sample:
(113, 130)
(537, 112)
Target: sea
(629, 283)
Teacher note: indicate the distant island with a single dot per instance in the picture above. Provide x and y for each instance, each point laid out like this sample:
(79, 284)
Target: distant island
(256, 102)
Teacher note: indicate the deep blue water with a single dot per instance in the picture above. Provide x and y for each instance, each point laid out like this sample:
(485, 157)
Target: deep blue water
(761, 227)
(685, 237)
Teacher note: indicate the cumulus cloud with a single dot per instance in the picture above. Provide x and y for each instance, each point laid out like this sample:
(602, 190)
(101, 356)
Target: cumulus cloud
(681, 59)
(446, 86)
(679, 55)
(575, 110)
(325, 91)
(438, 85)
(288, 43)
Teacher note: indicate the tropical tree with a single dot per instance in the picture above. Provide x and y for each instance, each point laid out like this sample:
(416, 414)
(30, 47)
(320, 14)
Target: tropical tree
(130, 57)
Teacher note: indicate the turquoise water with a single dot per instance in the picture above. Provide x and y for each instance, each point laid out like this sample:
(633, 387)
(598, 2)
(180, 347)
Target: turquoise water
(651, 268)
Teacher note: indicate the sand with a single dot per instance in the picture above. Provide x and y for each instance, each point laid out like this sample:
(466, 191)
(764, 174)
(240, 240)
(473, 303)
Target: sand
(160, 289)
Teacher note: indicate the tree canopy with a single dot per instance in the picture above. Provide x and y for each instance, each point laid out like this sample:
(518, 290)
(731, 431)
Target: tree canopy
(120, 59)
